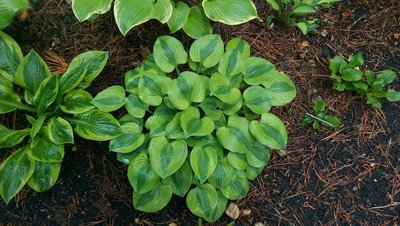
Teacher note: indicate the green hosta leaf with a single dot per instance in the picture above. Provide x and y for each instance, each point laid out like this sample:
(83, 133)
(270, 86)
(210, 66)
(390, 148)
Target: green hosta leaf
(270, 131)
(130, 13)
(200, 141)
(110, 99)
(181, 180)
(197, 24)
(15, 171)
(360, 87)
(275, 5)
(9, 9)
(159, 120)
(334, 121)
(130, 139)
(302, 9)
(201, 201)
(135, 106)
(203, 162)
(46, 94)
(209, 106)
(184, 90)
(44, 150)
(96, 125)
(174, 129)
(356, 60)
(152, 87)
(192, 125)
(180, 14)
(307, 26)
(162, 10)
(167, 157)
(236, 136)
(231, 12)
(352, 75)
(256, 98)
(258, 156)
(86, 10)
(77, 101)
(337, 65)
(153, 200)
(126, 158)
(141, 175)
(237, 160)
(252, 172)
(384, 78)
(220, 208)
(10, 54)
(371, 99)
(232, 109)
(9, 101)
(238, 188)
(239, 45)
(37, 125)
(169, 53)
(231, 63)
(132, 80)
(221, 86)
(10, 138)
(31, 72)
(223, 174)
(44, 176)
(280, 89)
(258, 70)
(71, 79)
(319, 106)
(207, 50)
(393, 95)
(60, 131)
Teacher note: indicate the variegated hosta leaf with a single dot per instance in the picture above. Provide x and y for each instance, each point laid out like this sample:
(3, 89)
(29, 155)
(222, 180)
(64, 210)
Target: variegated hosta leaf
(174, 129)
(96, 125)
(159, 120)
(200, 141)
(197, 24)
(43, 150)
(132, 80)
(72, 78)
(15, 171)
(236, 136)
(152, 87)
(231, 63)
(256, 98)
(258, 156)
(220, 208)
(89, 10)
(210, 107)
(37, 125)
(153, 200)
(281, 89)
(126, 158)
(237, 160)
(223, 174)
(46, 94)
(60, 131)
(110, 99)
(166, 156)
(9, 101)
(130, 139)
(179, 16)
(240, 45)
(162, 10)
(10, 138)
(169, 53)
(203, 162)
(258, 70)
(77, 101)
(252, 172)
(231, 109)
(135, 106)
(187, 88)
(141, 175)
(181, 180)
(207, 50)
(238, 188)
(44, 176)
(231, 12)
(270, 131)
(202, 201)
(9, 9)
(225, 88)
(192, 125)
(10, 54)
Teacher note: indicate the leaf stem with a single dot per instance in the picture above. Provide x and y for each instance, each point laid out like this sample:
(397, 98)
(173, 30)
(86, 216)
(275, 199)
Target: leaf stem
(319, 119)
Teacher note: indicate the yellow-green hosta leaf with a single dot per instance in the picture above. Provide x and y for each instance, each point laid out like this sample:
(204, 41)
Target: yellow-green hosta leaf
(37, 125)
(10, 54)
(10, 138)
(9, 101)
(46, 94)
(231, 63)
(238, 188)
(162, 10)
(270, 131)
(275, 5)
(207, 50)
(77, 101)
(9, 9)
(159, 120)
(301, 9)
(209, 106)
(220, 208)
(44, 176)
(240, 45)
(153, 200)
(132, 80)
(181, 180)
(110, 99)
(280, 89)
(258, 70)
(203, 161)
(252, 172)
(130, 139)
(307, 25)
(141, 175)
(15, 171)
(135, 106)
(224, 88)
(96, 125)
(236, 136)
(258, 156)
(166, 156)
(44, 150)
(237, 160)
(200, 141)
(256, 98)
(152, 87)
(71, 79)
(232, 109)
(201, 201)
(192, 125)
(169, 53)
(60, 131)
(130, 13)
(86, 10)
(180, 14)
(223, 174)
(174, 129)
(197, 24)
(231, 12)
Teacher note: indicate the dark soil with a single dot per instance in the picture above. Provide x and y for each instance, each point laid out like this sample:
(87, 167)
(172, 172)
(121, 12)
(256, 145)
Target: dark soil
(347, 176)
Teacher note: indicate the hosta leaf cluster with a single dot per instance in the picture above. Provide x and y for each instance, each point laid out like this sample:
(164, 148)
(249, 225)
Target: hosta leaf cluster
(320, 117)
(198, 123)
(10, 9)
(177, 14)
(55, 107)
(346, 75)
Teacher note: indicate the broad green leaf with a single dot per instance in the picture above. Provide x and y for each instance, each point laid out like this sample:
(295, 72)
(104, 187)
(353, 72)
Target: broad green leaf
(371, 99)
(197, 24)
(181, 181)
(43, 150)
(231, 63)
(10, 53)
(384, 78)
(270, 131)
(361, 87)
(110, 99)
(37, 126)
(141, 175)
(174, 129)
(153, 200)
(237, 160)
(96, 125)
(200, 141)
(223, 87)
(220, 208)
(85, 10)
(275, 5)
(135, 106)
(240, 45)
(207, 50)
(319, 106)
(9, 101)
(10, 9)
(203, 162)
(333, 121)
(130, 139)
(44, 176)
(256, 98)
(201, 201)
(393, 95)
(232, 109)
(72, 78)
(169, 53)
(337, 65)
(130, 13)
(280, 89)
(320, 2)
(223, 174)
(258, 70)
(356, 60)
(209, 106)
(352, 75)
(159, 120)
(192, 125)
(152, 87)
(258, 156)
(302, 9)
(180, 14)
(252, 172)
(77, 101)
(236, 136)
(10, 138)
(126, 158)
(132, 80)
(46, 94)
(238, 188)
(162, 10)
(231, 12)
(60, 131)
(166, 156)
(15, 172)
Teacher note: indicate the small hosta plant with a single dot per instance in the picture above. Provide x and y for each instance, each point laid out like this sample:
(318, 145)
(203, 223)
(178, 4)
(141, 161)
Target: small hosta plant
(195, 20)
(10, 9)
(199, 124)
(321, 118)
(347, 75)
(54, 106)
(298, 12)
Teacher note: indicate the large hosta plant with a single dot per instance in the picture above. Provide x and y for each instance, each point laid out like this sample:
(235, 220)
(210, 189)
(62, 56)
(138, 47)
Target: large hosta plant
(177, 14)
(54, 106)
(199, 124)
(9, 9)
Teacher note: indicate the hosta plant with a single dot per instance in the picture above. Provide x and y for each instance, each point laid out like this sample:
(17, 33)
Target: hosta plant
(54, 107)
(347, 75)
(10, 9)
(298, 12)
(194, 20)
(320, 117)
(199, 124)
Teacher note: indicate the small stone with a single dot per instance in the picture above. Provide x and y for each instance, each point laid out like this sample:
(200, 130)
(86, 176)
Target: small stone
(258, 224)
(375, 180)
(74, 149)
(304, 44)
(372, 164)
(324, 33)
(172, 224)
(137, 221)
(282, 153)
(246, 212)
(233, 211)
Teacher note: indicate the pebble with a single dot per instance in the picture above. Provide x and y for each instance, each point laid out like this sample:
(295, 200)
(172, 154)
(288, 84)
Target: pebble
(246, 212)
(258, 224)
(233, 211)
(172, 224)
